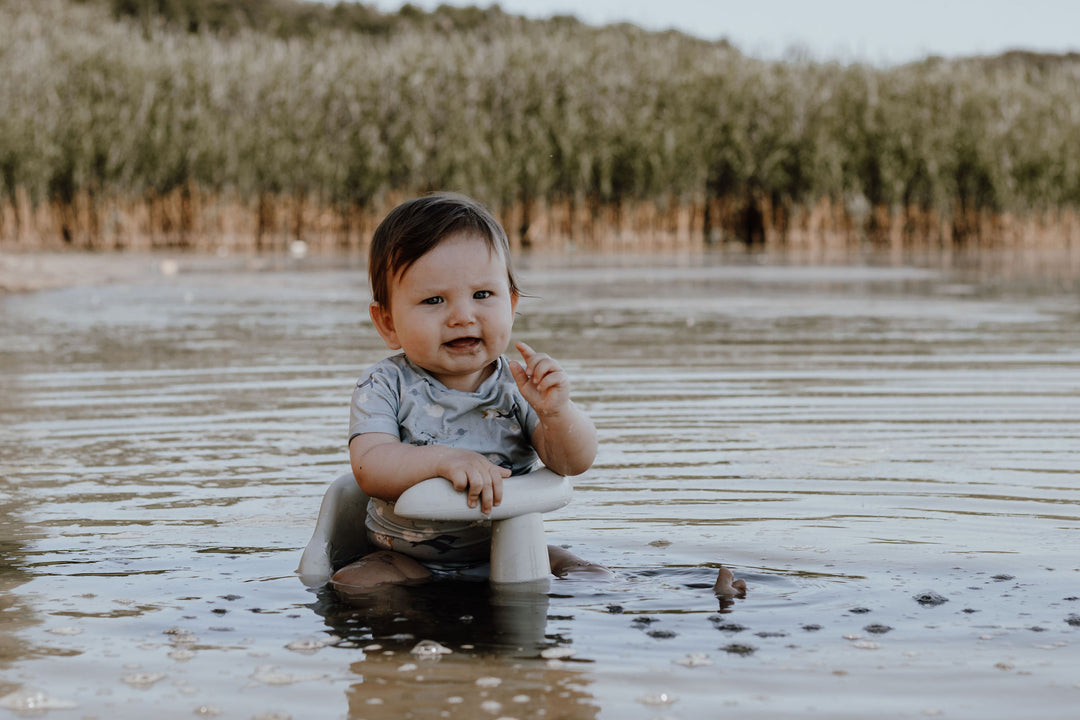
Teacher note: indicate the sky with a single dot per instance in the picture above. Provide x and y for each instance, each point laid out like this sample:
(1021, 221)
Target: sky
(847, 30)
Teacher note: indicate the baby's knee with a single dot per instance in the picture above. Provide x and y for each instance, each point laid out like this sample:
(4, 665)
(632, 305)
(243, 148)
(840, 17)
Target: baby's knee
(382, 567)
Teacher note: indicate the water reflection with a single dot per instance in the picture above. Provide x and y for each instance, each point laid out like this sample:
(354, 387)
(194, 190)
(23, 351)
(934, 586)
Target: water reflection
(15, 609)
(466, 622)
(482, 617)
(16, 537)
(391, 686)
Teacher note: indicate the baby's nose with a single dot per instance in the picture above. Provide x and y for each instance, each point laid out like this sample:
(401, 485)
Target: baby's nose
(461, 313)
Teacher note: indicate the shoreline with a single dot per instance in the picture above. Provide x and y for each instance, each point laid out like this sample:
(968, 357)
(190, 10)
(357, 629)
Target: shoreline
(28, 272)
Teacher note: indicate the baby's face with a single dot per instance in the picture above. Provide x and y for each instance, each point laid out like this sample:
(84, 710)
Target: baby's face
(451, 312)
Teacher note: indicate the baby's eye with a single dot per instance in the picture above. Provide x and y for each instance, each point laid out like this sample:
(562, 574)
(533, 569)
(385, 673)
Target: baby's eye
(431, 300)
(482, 294)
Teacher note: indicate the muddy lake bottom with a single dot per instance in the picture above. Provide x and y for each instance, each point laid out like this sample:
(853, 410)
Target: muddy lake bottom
(887, 451)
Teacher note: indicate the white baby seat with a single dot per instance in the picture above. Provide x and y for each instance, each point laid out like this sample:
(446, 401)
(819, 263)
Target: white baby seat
(518, 548)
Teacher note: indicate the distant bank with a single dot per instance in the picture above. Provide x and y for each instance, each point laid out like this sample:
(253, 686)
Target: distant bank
(137, 124)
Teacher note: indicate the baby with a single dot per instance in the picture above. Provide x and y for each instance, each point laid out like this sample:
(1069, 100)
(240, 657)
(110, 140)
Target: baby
(451, 404)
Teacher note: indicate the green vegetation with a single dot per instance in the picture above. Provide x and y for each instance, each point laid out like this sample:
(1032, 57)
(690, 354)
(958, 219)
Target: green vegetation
(342, 105)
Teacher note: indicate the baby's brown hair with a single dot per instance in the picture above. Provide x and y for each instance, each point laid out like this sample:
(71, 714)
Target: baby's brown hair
(415, 227)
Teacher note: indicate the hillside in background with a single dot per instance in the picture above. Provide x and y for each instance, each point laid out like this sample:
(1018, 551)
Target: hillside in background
(247, 123)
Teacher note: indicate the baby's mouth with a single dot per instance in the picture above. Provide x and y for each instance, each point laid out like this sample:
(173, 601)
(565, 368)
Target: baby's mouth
(463, 343)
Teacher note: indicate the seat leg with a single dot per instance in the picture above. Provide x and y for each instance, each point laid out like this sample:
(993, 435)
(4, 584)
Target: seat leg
(519, 550)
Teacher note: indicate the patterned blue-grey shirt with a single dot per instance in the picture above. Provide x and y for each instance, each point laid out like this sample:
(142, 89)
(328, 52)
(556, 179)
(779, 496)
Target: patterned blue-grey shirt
(401, 399)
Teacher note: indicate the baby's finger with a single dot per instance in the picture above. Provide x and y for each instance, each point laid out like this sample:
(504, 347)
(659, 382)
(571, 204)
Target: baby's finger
(526, 351)
(532, 358)
(486, 495)
(550, 380)
(543, 366)
(459, 480)
(521, 376)
(476, 488)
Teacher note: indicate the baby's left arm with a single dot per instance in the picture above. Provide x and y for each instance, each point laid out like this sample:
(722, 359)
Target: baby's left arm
(565, 438)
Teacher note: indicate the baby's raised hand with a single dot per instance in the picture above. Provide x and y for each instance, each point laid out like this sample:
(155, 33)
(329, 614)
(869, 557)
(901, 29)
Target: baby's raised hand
(541, 380)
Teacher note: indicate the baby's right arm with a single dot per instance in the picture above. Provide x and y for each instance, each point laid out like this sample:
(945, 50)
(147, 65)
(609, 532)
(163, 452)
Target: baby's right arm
(385, 467)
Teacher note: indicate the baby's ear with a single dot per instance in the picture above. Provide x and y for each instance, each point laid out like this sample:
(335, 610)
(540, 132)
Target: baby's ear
(384, 324)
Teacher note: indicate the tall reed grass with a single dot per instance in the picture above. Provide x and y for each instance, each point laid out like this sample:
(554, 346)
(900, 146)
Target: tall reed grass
(106, 113)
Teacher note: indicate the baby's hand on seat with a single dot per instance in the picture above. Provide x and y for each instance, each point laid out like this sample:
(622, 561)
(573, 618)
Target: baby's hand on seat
(474, 474)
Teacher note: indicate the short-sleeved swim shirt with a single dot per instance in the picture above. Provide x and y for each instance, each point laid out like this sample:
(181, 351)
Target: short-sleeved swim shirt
(401, 399)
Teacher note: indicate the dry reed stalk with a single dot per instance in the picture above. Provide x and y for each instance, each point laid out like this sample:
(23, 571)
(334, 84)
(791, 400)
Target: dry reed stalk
(187, 218)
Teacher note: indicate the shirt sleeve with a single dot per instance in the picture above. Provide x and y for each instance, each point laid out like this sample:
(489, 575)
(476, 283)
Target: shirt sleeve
(375, 402)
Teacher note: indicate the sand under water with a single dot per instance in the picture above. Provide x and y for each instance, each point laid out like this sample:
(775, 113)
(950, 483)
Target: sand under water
(886, 450)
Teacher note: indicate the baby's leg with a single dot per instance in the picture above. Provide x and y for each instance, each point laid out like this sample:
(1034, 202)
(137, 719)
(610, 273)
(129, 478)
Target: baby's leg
(564, 562)
(727, 586)
(382, 567)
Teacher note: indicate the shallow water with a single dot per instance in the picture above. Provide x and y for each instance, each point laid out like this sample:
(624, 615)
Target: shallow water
(858, 440)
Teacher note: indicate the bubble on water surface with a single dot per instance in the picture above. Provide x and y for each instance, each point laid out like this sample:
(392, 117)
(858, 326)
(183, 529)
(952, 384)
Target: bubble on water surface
(658, 699)
(269, 675)
(491, 706)
(557, 653)
(307, 647)
(488, 682)
(181, 636)
(430, 650)
(694, 660)
(33, 701)
(143, 679)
